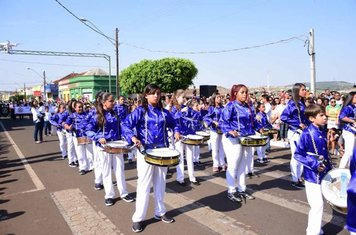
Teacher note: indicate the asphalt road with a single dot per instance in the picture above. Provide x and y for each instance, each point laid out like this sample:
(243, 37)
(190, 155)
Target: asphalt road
(40, 194)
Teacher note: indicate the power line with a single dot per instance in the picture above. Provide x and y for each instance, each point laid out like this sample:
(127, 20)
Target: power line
(69, 65)
(217, 51)
(89, 26)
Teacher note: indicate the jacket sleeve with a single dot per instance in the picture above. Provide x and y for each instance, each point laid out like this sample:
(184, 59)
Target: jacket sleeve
(301, 154)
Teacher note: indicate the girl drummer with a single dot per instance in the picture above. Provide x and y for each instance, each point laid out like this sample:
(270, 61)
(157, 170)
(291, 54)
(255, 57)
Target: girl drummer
(77, 123)
(150, 120)
(293, 115)
(55, 119)
(236, 121)
(184, 116)
(261, 124)
(348, 117)
(212, 121)
(72, 156)
(107, 128)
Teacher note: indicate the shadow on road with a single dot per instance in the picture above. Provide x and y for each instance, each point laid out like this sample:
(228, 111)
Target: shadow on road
(5, 215)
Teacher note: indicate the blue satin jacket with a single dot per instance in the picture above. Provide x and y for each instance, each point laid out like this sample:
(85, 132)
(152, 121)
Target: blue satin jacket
(262, 121)
(351, 196)
(151, 126)
(79, 123)
(111, 130)
(350, 112)
(239, 117)
(290, 115)
(185, 120)
(213, 115)
(57, 118)
(310, 162)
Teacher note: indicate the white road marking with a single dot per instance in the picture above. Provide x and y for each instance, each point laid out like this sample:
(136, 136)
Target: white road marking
(35, 179)
(80, 216)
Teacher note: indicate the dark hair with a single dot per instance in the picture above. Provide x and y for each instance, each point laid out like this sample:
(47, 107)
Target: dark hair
(313, 109)
(235, 89)
(349, 98)
(70, 106)
(78, 102)
(213, 98)
(100, 109)
(149, 90)
(295, 93)
(259, 104)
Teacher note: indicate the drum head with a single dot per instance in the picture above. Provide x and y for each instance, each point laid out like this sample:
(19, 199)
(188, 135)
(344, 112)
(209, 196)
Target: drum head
(331, 187)
(117, 144)
(202, 133)
(162, 152)
(194, 137)
(257, 137)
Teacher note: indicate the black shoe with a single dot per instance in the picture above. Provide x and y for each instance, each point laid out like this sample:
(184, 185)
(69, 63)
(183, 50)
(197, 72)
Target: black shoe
(298, 184)
(82, 172)
(114, 183)
(196, 182)
(109, 202)
(65, 157)
(233, 197)
(265, 160)
(250, 175)
(128, 198)
(164, 218)
(137, 227)
(98, 187)
(76, 163)
(72, 164)
(181, 183)
(246, 195)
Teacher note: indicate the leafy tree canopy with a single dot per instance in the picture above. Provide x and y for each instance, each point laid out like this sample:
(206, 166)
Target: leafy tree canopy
(170, 74)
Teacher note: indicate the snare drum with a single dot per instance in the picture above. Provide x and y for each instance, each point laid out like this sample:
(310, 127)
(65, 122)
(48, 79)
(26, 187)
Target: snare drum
(117, 147)
(334, 188)
(193, 140)
(162, 157)
(253, 141)
(206, 135)
(83, 140)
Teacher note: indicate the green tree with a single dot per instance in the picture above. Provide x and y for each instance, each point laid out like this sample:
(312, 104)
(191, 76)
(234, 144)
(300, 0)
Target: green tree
(169, 73)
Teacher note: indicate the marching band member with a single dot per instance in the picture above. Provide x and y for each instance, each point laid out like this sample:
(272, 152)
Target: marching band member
(312, 152)
(55, 119)
(351, 197)
(348, 116)
(72, 156)
(107, 128)
(294, 116)
(150, 120)
(197, 118)
(262, 123)
(236, 120)
(212, 121)
(38, 120)
(183, 115)
(77, 123)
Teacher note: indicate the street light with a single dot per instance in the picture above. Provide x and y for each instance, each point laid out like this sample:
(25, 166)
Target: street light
(113, 41)
(44, 81)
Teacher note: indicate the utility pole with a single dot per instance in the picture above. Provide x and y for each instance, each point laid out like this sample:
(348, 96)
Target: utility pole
(117, 62)
(44, 86)
(311, 52)
(24, 91)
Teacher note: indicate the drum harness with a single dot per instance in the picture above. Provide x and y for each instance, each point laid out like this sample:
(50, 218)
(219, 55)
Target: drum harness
(320, 158)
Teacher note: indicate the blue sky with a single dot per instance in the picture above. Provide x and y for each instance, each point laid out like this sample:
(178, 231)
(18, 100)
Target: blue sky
(188, 26)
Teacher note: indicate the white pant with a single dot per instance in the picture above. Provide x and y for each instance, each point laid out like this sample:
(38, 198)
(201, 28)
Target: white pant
(350, 140)
(249, 159)
(196, 153)
(217, 150)
(295, 166)
(315, 200)
(113, 162)
(98, 163)
(85, 155)
(236, 162)
(147, 175)
(62, 143)
(72, 157)
(189, 157)
(261, 152)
